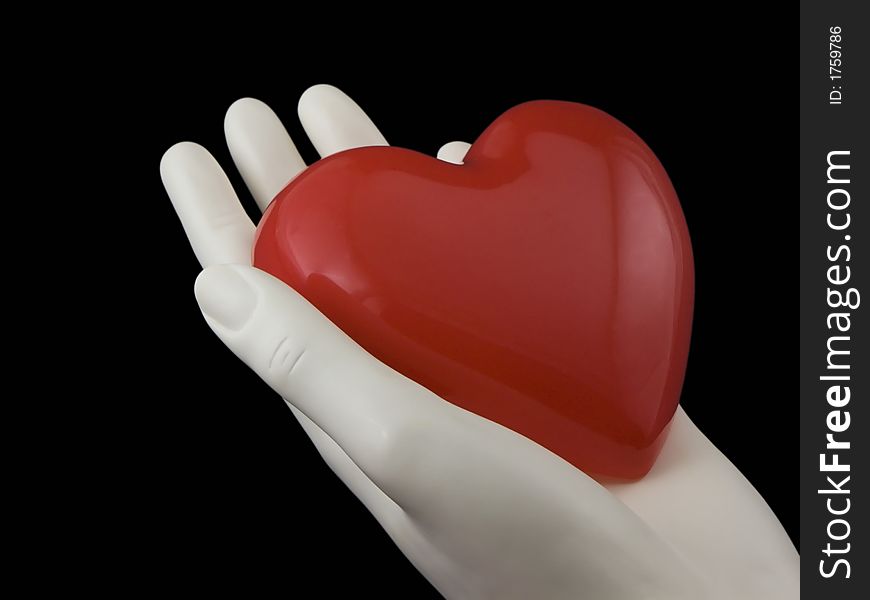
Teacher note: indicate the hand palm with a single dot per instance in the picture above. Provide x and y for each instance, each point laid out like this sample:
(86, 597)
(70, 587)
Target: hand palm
(495, 515)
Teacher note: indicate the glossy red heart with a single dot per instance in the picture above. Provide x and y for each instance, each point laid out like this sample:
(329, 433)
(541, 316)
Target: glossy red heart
(546, 284)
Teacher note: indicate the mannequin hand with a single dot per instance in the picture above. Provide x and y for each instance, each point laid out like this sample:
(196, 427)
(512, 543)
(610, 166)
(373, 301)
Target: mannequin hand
(482, 511)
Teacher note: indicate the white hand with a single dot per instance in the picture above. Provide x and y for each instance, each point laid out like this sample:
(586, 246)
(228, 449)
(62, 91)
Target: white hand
(480, 510)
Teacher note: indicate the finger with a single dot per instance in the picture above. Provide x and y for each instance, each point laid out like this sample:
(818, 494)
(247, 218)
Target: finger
(261, 148)
(355, 399)
(453, 152)
(334, 122)
(216, 224)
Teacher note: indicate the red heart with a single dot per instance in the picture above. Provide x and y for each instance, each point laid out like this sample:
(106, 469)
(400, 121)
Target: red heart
(546, 284)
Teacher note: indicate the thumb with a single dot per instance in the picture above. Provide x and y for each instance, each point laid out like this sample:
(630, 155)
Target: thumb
(361, 403)
(474, 489)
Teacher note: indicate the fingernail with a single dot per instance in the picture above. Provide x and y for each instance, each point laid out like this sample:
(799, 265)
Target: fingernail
(225, 297)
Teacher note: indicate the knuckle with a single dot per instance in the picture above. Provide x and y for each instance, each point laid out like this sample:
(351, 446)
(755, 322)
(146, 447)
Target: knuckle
(400, 451)
(226, 221)
(284, 359)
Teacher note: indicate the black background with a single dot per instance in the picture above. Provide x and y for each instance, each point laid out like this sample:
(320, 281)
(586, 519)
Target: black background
(224, 487)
